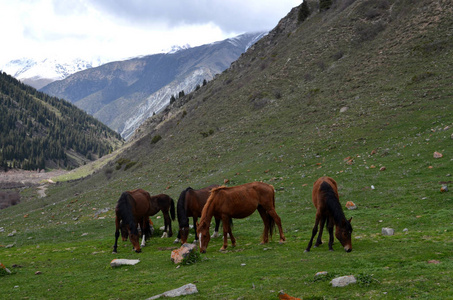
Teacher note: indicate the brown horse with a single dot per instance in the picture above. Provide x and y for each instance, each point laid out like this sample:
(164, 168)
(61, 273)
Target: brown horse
(190, 204)
(328, 208)
(239, 202)
(135, 207)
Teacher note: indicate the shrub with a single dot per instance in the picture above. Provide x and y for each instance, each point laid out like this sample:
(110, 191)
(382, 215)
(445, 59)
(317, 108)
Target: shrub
(155, 139)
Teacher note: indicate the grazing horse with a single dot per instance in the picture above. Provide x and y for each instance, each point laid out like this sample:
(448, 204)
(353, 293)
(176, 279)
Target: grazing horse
(328, 208)
(134, 208)
(239, 202)
(190, 204)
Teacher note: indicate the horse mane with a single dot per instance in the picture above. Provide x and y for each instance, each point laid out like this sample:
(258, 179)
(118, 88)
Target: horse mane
(207, 207)
(124, 209)
(333, 204)
(181, 209)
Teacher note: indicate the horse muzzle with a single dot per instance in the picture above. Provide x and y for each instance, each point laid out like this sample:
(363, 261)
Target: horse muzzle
(347, 249)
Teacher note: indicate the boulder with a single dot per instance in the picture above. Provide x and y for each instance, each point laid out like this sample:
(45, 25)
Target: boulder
(343, 281)
(178, 255)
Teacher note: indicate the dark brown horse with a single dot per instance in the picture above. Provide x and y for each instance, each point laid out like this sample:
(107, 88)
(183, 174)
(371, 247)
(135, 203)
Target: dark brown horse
(239, 202)
(328, 209)
(135, 207)
(190, 204)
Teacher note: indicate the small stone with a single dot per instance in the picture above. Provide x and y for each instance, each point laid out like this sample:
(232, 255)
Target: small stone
(38, 273)
(388, 231)
(382, 168)
(321, 273)
(437, 154)
(343, 281)
(433, 261)
(344, 109)
(405, 230)
(444, 189)
(350, 205)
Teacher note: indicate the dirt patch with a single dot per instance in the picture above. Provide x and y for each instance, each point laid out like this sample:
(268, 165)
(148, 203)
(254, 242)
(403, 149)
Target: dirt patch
(14, 180)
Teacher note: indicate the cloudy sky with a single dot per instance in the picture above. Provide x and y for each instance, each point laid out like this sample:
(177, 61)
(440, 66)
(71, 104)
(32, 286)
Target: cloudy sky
(118, 29)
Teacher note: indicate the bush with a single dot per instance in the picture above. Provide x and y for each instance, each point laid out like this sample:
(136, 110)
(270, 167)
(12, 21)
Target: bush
(155, 139)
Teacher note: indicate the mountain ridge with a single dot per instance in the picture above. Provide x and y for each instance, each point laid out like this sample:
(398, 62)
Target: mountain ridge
(128, 92)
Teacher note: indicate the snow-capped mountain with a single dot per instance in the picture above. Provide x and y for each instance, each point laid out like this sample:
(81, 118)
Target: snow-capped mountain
(40, 72)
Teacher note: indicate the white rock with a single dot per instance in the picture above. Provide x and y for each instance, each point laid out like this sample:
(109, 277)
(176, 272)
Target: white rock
(343, 281)
(187, 289)
(388, 231)
(121, 261)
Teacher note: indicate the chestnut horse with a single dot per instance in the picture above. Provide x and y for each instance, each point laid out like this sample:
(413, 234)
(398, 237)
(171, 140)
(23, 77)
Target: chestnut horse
(135, 207)
(190, 204)
(239, 202)
(328, 208)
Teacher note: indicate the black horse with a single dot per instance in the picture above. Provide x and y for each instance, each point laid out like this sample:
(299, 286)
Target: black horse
(190, 204)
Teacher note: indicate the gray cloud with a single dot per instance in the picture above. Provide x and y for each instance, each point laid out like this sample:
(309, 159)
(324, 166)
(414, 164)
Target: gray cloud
(229, 15)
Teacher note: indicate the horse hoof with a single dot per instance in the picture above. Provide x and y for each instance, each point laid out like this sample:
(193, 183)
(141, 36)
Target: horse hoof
(114, 252)
(306, 251)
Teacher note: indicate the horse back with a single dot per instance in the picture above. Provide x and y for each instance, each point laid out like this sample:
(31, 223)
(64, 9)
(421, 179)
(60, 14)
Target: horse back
(242, 200)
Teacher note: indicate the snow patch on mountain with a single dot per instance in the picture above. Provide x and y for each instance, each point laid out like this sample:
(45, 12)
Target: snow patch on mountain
(51, 69)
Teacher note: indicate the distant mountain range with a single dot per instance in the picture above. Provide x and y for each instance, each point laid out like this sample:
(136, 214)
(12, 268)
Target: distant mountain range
(39, 73)
(123, 94)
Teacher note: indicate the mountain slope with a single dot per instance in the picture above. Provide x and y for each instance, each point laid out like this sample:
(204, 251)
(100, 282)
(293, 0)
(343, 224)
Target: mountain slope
(123, 94)
(39, 131)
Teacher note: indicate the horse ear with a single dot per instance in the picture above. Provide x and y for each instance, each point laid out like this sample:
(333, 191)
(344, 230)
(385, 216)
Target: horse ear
(350, 220)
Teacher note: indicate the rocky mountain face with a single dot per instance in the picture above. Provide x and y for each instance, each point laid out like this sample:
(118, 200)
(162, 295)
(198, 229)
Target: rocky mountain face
(123, 94)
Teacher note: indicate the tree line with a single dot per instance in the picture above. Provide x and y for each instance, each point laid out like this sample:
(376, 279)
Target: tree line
(36, 129)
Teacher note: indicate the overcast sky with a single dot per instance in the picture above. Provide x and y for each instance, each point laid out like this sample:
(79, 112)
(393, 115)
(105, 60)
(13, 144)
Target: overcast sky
(118, 29)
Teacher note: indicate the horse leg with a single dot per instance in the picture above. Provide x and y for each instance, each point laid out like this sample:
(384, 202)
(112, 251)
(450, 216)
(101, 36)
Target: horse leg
(278, 221)
(226, 231)
(167, 222)
(330, 224)
(216, 230)
(117, 235)
(318, 240)
(313, 233)
(265, 218)
(142, 225)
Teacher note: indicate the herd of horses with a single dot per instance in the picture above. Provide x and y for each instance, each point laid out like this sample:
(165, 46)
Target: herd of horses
(134, 208)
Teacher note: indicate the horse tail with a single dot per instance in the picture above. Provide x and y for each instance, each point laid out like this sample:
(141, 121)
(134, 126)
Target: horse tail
(181, 209)
(124, 209)
(172, 209)
(271, 220)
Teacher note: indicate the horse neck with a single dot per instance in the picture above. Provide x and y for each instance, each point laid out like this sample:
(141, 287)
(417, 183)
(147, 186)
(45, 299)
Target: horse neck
(208, 212)
(335, 209)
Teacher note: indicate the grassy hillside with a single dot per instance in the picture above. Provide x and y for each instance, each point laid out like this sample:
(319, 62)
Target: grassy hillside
(362, 86)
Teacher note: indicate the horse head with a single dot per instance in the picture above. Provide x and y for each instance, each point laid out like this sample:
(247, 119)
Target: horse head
(343, 234)
(203, 235)
(124, 232)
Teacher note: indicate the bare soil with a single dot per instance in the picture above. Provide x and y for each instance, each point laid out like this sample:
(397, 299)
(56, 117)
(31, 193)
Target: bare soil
(13, 180)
